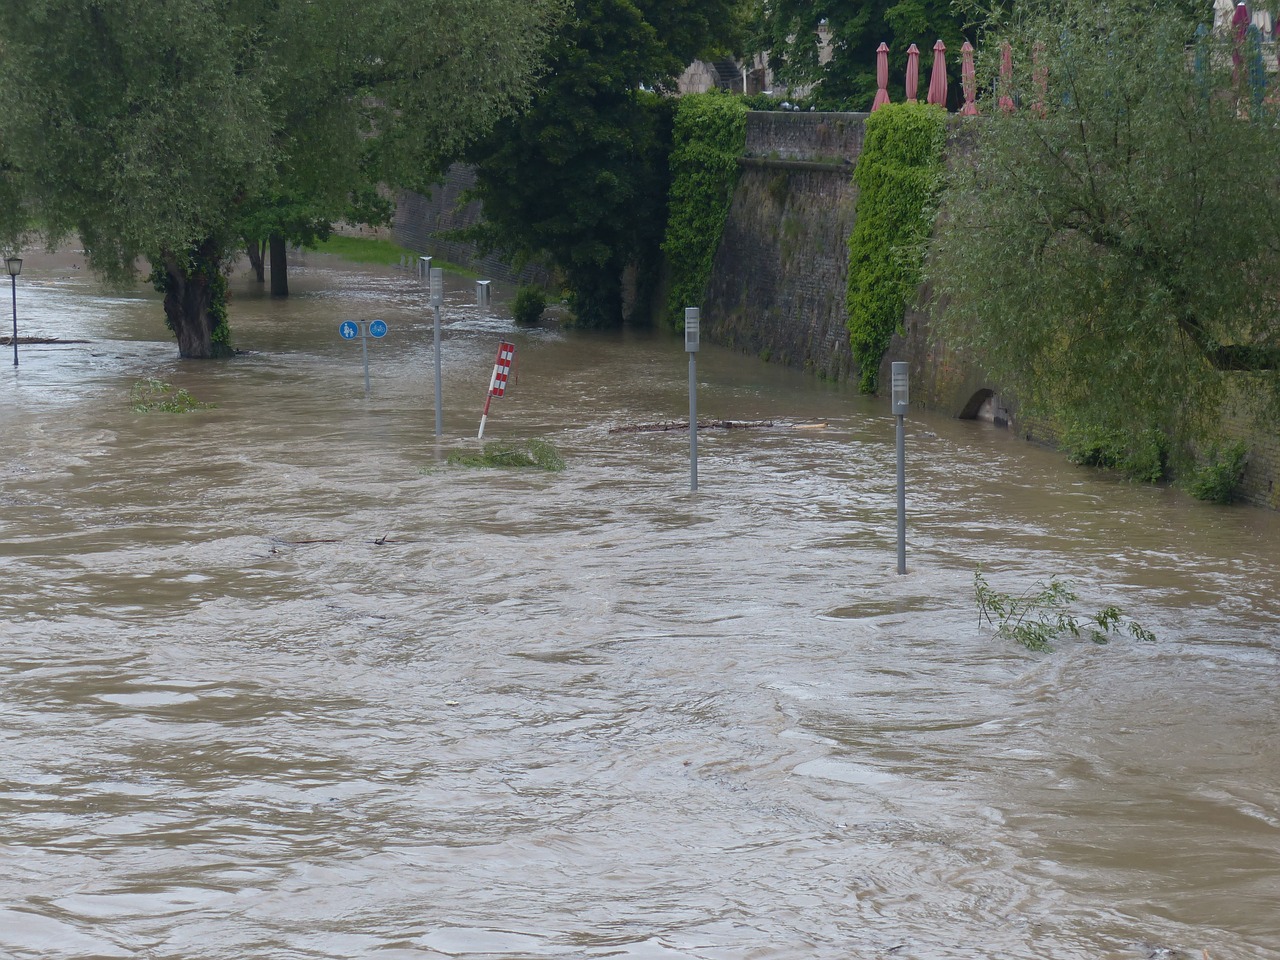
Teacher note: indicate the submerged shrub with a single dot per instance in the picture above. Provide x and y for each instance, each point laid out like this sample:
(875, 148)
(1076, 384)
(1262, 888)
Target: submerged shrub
(1045, 613)
(536, 453)
(156, 396)
(1217, 479)
(528, 305)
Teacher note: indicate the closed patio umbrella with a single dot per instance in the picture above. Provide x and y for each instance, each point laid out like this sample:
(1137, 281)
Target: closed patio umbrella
(968, 80)
(913, 72)
(1006, 77)
(882, 77)
(938, 76)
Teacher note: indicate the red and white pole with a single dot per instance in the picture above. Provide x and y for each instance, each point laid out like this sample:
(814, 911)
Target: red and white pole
(498, 380)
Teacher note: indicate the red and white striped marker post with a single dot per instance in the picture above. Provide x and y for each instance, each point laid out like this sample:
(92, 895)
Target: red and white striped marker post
(498, 382)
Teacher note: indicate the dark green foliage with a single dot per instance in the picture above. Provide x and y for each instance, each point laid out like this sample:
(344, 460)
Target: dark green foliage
(528, 305)
(899, 175)
(1044, 613)
(581, 176)
(1101, 255)
(788, 31)
(536, 453)
(1141, 456)
(709, 135)
(1218, 477)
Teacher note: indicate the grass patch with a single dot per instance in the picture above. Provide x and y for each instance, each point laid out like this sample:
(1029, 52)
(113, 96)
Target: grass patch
(156, 396)
(385, 253)
(363, 249)
(536, 453)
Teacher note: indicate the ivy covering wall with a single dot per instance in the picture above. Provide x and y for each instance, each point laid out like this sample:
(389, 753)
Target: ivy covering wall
(710, 133)
(899, 176)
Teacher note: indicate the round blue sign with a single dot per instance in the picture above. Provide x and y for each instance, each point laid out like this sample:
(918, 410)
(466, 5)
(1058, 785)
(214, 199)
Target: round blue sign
(378, 329)
(349, 330)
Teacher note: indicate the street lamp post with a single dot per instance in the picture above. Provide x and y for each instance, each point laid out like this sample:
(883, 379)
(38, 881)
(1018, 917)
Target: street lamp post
(14, 265)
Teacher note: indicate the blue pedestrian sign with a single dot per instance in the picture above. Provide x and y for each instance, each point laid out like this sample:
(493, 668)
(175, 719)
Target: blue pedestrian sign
(378, 329)
(349, 330)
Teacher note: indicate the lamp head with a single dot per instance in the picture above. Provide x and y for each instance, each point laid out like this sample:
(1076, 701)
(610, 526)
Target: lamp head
(14, 265)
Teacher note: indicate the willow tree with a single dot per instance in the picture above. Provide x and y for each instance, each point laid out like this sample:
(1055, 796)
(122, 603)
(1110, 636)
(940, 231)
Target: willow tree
(151, 128)
(1109, 249)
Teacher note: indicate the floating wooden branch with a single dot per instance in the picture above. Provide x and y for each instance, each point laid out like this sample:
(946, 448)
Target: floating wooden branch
(684, 425)
(7, 340)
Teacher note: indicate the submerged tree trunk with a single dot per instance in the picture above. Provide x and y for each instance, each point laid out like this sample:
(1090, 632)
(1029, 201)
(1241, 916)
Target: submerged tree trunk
(279, 266)
(255, 249)
(195, 290)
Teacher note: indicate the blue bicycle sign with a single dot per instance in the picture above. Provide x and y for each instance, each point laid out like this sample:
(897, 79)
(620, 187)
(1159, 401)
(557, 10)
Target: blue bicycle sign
(378, 329)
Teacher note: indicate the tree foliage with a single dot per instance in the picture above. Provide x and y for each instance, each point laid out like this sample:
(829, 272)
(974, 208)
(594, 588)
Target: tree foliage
(155, 129)
(580, 177)
(833, 43)
(709, 134)
(899, 174)
(1108, 251)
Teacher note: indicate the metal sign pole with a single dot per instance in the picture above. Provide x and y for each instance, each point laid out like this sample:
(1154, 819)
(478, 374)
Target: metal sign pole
(900, 399)
(437, 299)
(692, 322)
(439, 401)
(364, 347)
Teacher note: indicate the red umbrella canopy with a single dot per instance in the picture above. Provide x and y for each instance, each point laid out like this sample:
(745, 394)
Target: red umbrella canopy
(913, 72)
(938, 78)
(1239, 26)
(1006, 77)
(968, 80)
(882, 77)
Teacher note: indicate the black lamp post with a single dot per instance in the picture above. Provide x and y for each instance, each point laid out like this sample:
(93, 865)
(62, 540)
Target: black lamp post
(14, 265)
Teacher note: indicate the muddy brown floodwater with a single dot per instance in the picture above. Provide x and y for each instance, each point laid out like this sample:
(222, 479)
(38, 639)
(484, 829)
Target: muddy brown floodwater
(276, 681)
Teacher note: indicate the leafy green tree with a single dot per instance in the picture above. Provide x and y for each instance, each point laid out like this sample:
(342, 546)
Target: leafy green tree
(580, 177)
(1109, 251)
(832, 43)
(154, 128)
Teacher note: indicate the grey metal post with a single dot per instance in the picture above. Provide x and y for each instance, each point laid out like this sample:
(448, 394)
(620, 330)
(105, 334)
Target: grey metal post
(902, 499)
(13, 283)
(437, 299)
(693, 422)
(692, 322)
(364, 348)
(900, 399)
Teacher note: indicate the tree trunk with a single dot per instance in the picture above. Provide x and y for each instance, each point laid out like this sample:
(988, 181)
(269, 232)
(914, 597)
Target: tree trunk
(191, 283)
(279, 267)
(255, 249)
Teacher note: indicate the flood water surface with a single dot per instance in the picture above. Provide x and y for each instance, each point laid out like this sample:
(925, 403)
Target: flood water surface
(278, 681)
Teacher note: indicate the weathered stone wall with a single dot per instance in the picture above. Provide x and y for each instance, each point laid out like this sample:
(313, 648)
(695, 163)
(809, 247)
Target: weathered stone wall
(777, 286)
(790, 135)
(1261, 482)
(422, 224)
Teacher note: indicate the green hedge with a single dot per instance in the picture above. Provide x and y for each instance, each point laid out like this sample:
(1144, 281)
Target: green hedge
(899, 177)
(709, 136)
